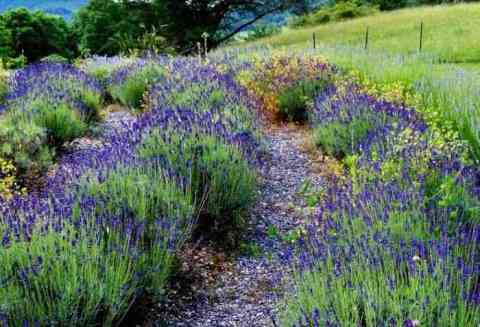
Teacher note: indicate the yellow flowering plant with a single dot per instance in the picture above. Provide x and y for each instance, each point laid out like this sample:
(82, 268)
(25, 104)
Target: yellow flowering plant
(3, 83)
(273, 75)
(8, 181)
(443, 135)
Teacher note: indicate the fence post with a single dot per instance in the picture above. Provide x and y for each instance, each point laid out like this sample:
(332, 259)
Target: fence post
(366, 38)
(314, 41)
(199, 49)
(421, 36)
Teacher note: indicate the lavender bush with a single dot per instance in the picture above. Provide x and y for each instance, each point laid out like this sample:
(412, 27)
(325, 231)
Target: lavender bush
(46, 106)
(397, 244)
(104, 231)
(129, 83)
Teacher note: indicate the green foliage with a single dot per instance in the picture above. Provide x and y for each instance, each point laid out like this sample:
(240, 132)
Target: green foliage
(339, 139)
(293, 102)
(448, 192)
(251, 249)
(350, 294)
(336, 12)
(222, 182)
(109, 27)
(5, 40)
(203, 99)
(144, 192)
(35, 35)
(15, 63)
(3, 84)
(262, 31)
(61, 123)
(56, 59)
(31, 131)
(449, 32)
(74, 283)
(90, 274)
(24, 143)
(131, 91)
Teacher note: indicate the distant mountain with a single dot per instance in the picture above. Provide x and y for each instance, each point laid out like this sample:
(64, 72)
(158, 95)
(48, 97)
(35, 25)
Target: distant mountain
(65, 8)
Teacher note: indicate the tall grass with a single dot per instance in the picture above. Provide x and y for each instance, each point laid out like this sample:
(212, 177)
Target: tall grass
(450, 32)
(446, 95)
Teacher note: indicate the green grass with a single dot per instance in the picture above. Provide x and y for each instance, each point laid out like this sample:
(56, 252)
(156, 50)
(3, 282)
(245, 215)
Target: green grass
(450, 32)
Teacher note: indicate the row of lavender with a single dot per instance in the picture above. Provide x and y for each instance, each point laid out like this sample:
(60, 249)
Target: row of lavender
(104, 230)
(396, 243)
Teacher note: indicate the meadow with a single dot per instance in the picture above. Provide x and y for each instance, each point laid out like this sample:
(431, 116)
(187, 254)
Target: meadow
(394, 238)
(449, 32)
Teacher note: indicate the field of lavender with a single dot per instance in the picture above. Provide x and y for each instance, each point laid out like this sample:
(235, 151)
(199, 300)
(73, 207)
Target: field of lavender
(175, 151)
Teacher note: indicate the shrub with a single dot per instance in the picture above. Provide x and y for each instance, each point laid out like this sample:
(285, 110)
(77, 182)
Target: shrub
(262, 31)
(214, 99)
(221, 179)
(293, 102)
(337, 12)
(342, 123)
(69, 278)
(16, 63)
(112, 240)
(102, 68)
(275, 74)
(8, 183)
(3, 86)
(55, 59)
(147, 194)
(398, 242)
(60, 122)
(386, 286)
(55, 83)
(46, 106)
(453, 193)
(339, 139)
(143, 192)
(24, 143)
(130, 88)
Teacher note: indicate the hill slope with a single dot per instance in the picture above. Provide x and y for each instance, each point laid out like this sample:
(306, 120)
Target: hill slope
(64, 8)
(452, 32)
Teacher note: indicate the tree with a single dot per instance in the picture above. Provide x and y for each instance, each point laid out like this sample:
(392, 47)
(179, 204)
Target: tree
(5, 41)
(186, 21)
(35, 34)
(111, 26)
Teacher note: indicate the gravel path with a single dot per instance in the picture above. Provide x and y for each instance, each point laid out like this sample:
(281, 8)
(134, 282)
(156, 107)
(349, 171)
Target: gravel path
(116, 118)
(214, 289)
(241, 291)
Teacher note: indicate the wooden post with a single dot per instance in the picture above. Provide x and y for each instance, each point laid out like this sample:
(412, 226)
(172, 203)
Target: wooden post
(199, 48)
(421, 36)
(205, 43)
(366, 38)
(314, 41)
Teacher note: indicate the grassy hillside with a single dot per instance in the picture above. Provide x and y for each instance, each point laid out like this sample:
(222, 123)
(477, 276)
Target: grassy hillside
(451, 32)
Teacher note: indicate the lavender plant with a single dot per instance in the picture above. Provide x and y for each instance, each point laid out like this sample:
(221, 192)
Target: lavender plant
(129, 83)
(105, 229)
(398, 244)
(47, 105)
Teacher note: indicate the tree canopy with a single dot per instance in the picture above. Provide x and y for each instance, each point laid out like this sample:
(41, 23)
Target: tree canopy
(34, 35)
(104, 25)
